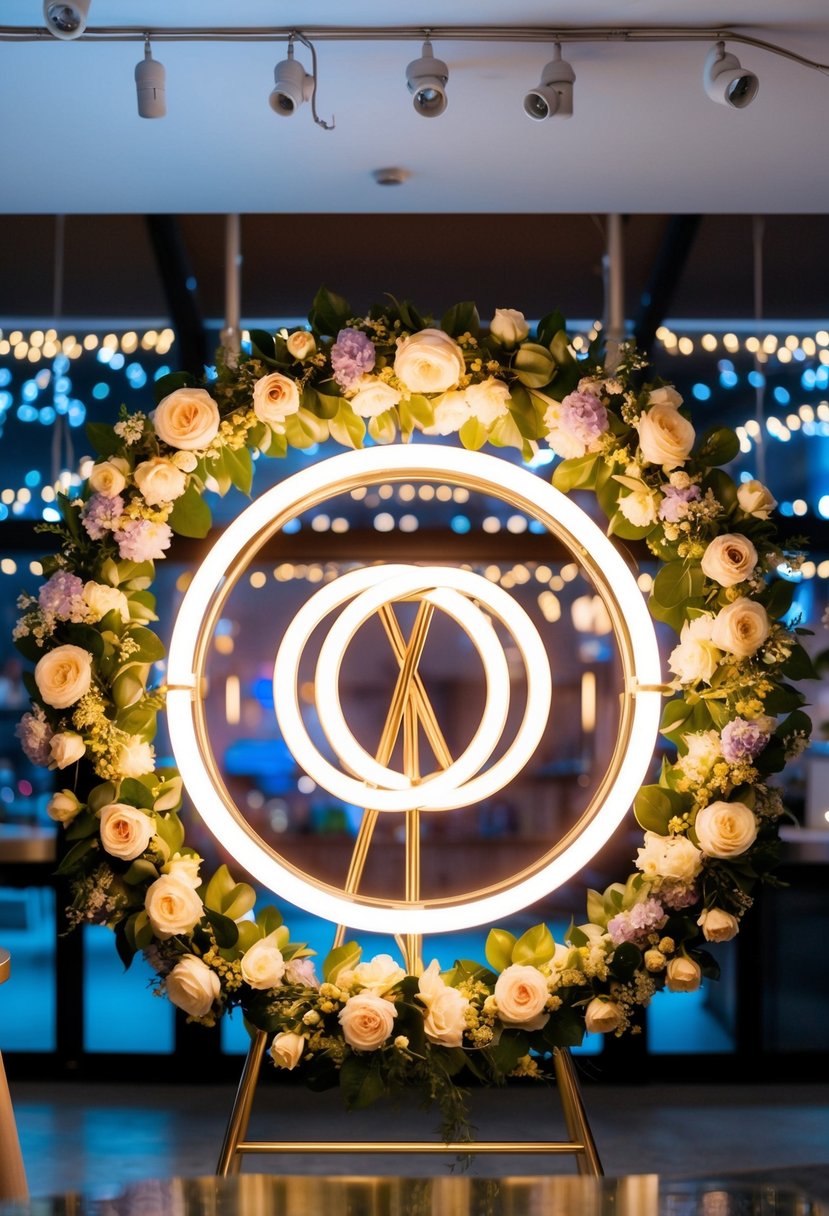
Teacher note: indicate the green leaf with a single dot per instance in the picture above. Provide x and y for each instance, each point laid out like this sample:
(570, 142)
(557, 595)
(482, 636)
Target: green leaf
(549, 326)
(87, 637)
(83, 825)
(329, 313)
(778, 598)
(249, 933)
(361, 1082)
(680, 718)
(151, 647)
(104, 439)
(533, 365)
(224, 929)
(719, 446)
(798, 666)
(125, 947)
(128, 687)
(722, 487)
(135, 793)
(141, 871)
(139, 719)
(71, 861)
(219, 886)
(143, 931)
(473, 434)
(190, 515)
(168, 384)
(239, 468)
(653, 810)
(627, 959)
(509, 1049)
(29, 648)
(578, 473)
(342, 958)
(534, 947)
(277, 447)
(303, 429)
(595, 909)
(269, 919)
(324, 405)
(415, 411)
(171, 830)
(782, 699)
(461, 319)
(678, 582)
(621, 526)
(498, 950)
(347, 427)
(564, 1029)
(383, 427)
(238, 901)
(262, 345)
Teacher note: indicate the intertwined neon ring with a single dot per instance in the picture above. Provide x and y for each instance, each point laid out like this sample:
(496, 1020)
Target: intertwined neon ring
(374, 785)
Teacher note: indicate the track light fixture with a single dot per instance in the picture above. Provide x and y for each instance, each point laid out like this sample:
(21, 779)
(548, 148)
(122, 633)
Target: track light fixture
(554, 96)
(66, 18)
(293, 85)
(426, 78)
(150, 85)
(725, 81)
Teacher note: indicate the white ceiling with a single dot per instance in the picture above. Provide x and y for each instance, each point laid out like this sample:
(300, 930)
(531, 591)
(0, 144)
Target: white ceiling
(644, 137)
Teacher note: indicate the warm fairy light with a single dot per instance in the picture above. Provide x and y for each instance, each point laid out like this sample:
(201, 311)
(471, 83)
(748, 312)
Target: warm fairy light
(233, 701)
(408, 523)
(491, 524)
(708, 342)
(588, 701)
(488, 475)
(258, 579)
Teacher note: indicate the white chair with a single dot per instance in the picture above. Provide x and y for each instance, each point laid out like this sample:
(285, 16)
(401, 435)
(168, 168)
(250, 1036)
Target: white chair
(13, 1183)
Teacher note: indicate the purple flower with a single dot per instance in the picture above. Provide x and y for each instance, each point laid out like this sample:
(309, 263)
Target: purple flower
(352, 356)
(35, 734)
(674, 505)
(679, 895)
(637, 922)
(62, 596)
(742, 740)
(584, 416)
(101, 514)
(140, 540)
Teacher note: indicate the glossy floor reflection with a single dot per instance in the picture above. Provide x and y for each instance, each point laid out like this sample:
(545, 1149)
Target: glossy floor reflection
(77, 1137)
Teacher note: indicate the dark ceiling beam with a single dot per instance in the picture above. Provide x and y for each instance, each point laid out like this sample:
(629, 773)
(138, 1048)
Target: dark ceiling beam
(678, 239)
(180, 290)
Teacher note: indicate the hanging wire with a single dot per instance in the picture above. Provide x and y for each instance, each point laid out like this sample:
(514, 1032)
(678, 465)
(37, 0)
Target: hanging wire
(327, 126)
(757, 233)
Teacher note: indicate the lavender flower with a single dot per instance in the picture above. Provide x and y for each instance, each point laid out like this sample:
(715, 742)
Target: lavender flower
(352, 356)
(62, 596)
(637, 922)
(584, 416)
(101, 515)
(140, 540)
(35, 735)
(743, 740)
(674, 505)
(679, 895)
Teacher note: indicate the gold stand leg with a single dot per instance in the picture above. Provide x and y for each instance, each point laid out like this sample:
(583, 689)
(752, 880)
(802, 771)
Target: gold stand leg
(230, 1159)
(575, 1116)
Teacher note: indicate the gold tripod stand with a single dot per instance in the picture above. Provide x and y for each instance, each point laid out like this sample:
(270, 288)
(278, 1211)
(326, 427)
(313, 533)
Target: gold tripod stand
(410, 709)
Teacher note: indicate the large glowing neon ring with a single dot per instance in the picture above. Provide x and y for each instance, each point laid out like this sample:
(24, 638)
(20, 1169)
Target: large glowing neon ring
(213, 582)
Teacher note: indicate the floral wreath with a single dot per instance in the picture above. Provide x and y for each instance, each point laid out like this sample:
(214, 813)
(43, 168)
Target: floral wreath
(710, 821)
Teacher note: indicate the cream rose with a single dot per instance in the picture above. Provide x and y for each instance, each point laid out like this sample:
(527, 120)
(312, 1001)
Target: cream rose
(755, 499)
(125, 831)
(187, 418)
(521, 994)
(185, 461)
(669, 857)
(600, 1017)
(109, 477)
(63, 807)
(509, 327)
(729, 559)
(262, 964)
(184, 867)
(451, 412)
(374, 397)
(683, 975)
(286, 1048)
(665, 437)
(718, 925)
(488, 400)
(741, 627)
(159, 481)
(301, 345)
(666, 395)
(429, 362)
(696, 657)
(66, 747)
(444, 1019)
(379, 974)
(301, 971)
(367, 1020)
(134, 758)
(172, 906)
(725, 829)
(193, 986)
(100, 599)
(275, 397)
(640, 508)
(64, 675)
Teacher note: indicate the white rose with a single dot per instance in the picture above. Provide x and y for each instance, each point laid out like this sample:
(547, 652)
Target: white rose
(665, 437)
(451, 412)
(185, 461)
(193, 986)
(100, 599)
(600, 1017)
(725, 829)
(172, 906)
(741, 627)
(274, 398)
(134, 758)
(755, 499)
(667, 395)
(696, 657)
(509, 327)
(262, 964)
(429, 362)
(64, 675)
(379, 974)
(367, 1020)
(641, 508)
(301, 971)
(108, 478)
(287, 1047)
(683, 975)
(729, 559)
(63, 807)
(374, 397)
(669, 857)
(521, 994)
(160, 481)
(718, 925)
(488, 400)
(66, 747)
(187, 418)
(184, 868)
(125, 831)
(301, 344)
(444, 1020)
